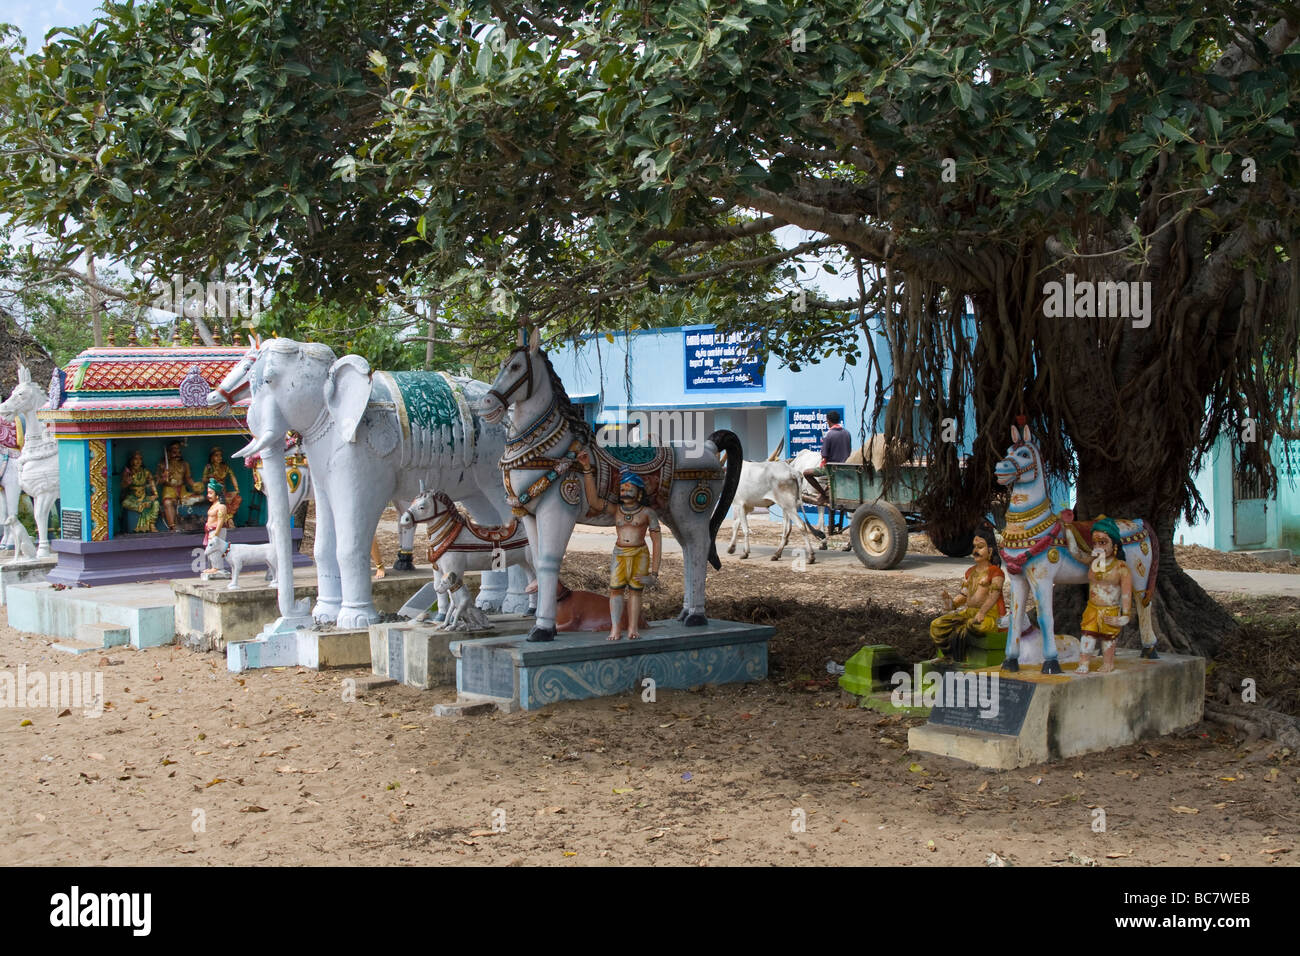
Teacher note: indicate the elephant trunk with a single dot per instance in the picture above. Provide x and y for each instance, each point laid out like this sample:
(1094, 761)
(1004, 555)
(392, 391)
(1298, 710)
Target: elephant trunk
(266, 422)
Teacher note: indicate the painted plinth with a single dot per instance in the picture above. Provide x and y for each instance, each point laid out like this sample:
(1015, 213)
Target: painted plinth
(23, 571)
(209, 616)
(145, 608)
(1042, 718)
(145, 557)
(419, 655)
(301, 647)
(515, 674)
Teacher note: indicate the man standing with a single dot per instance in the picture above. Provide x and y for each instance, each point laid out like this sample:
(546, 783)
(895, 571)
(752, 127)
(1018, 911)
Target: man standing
(633, 565)
(836, 445)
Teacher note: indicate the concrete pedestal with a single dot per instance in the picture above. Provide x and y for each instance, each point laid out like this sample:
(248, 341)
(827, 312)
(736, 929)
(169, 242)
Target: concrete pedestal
(1042, 718)
(419, 655)
(514, 674)
(301, 646)
(145, 609)
(23, 571)
(209, 616)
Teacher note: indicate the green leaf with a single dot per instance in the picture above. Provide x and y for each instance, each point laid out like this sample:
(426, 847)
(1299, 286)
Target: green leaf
(301, 202)
(420, 226)
(119, 190)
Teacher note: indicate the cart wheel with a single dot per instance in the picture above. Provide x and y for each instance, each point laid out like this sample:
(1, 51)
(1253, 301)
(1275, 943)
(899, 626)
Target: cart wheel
(957, 546)
(878, 533)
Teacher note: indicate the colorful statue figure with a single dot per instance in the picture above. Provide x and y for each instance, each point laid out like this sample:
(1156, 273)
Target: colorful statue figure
(217, 469)
(975, 611)
(177, 482)
(219, 518)
(1110, 596)
(1040, 548)
(688, 485)
(140, 494)
(633, 566)
(10, 484)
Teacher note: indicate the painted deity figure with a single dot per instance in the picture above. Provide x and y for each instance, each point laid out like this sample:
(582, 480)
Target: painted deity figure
(176, 480)
(219, 517)
(1110, 597)
(140, 493)
(978, 605)
(633, 565)
(217, 469)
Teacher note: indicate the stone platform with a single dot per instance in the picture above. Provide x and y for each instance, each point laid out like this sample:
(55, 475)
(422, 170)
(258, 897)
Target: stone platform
(419, 655)
(1041, 717)
(145, 609)
(25, 571)
(302, 647)
(209, 616)
(513, 674)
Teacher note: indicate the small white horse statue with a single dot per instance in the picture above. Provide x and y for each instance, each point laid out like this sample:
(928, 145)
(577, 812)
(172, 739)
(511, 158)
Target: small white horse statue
(1037, 553)
(220, 552)
(457, 545)
(764, 483)
(38, 465)
(10, 485)
(686, 486)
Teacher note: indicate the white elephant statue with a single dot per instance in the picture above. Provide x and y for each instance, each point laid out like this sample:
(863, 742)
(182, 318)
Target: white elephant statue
(370, 439)
(38, 465)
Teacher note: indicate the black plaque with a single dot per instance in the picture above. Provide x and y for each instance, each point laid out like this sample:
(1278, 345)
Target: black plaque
(70, 525)
(1013, 704)
(487, 669)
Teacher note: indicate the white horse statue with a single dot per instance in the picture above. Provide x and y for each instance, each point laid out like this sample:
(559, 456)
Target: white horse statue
(10, 485)
(38, 465)
(1038, 551)
(687, 487)
(457, 545)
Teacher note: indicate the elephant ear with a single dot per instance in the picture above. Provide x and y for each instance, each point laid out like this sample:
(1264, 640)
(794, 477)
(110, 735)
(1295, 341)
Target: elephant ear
(347, 391)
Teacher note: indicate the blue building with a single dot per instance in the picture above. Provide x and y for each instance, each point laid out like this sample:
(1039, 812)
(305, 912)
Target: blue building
(715, 383)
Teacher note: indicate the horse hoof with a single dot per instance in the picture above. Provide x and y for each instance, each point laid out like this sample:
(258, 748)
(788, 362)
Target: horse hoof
(731, 550)
(1011, 664)
(695, 620)
(777, 556)
(1051, 666)
(540, 634)
(683, 614)
(1149, 653)
(822, 546)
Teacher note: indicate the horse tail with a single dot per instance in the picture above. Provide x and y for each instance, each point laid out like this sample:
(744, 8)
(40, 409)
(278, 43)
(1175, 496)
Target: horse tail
(1155, 559)
(729, 442)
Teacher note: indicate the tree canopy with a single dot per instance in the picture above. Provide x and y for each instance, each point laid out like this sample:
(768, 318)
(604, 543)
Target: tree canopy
(956, 154)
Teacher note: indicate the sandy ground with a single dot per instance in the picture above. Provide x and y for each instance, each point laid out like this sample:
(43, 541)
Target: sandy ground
(190, 764)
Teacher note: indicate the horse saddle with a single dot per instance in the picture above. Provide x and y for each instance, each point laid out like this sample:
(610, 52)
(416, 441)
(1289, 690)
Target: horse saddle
(654, 465)
(497, 534)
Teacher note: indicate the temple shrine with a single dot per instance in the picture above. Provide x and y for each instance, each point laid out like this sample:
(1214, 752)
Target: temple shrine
(137, 445)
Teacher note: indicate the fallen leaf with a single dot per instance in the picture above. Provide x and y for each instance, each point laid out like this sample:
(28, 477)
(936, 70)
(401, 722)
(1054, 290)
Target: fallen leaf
(95, 756)
(982, 787)
(1181, 809)
(929, 845)
(1225, 857)
(213, 782)
(1119, 856)
(187, 849)
(1277, 849)
(546, 810)
(570, 853)
(479, 833)
(252, 809)
(24, 723)
(66, 712)
(624, 789)
(167, 762)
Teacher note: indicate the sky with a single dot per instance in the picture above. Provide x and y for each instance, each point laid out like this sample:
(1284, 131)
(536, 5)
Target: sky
(35, 18)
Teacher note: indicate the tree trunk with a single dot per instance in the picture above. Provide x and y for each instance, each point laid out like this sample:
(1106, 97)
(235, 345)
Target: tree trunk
(96, 302)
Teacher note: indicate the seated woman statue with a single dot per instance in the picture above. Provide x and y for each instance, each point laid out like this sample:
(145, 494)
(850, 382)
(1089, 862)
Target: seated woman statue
(974, 612)
(217, 470)
(140, 494)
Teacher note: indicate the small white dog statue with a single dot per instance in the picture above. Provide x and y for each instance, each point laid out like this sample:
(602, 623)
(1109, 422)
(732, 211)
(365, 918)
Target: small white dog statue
(219, 553)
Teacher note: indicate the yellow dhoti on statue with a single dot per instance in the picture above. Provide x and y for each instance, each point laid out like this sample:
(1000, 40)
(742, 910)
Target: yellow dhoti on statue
(953, 631)
(1094, 625)
(627, 566)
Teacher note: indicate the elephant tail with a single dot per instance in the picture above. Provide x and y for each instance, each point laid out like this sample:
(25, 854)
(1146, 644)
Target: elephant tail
(729, 442)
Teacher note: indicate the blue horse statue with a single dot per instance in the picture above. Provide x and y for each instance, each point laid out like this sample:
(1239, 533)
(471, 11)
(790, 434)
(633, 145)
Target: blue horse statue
(1040, 548)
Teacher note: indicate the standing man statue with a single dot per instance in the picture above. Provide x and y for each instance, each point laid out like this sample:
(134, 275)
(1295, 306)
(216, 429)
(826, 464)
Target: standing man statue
(633, 566)
(836, 445)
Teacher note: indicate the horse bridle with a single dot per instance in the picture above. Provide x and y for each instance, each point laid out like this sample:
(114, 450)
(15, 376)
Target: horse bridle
(525, 379)
(1033, 467)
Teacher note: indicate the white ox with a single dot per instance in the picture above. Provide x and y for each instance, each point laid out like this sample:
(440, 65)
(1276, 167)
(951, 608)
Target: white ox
(764, 483)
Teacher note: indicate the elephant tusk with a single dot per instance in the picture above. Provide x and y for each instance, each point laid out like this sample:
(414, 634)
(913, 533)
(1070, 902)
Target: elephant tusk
(257, 445)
